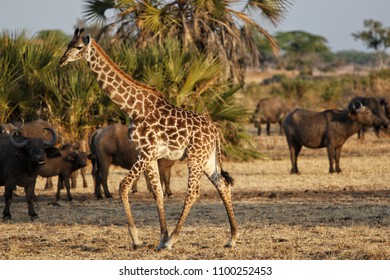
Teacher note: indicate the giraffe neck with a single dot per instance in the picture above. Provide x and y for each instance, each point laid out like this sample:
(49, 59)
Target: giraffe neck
(132, 97)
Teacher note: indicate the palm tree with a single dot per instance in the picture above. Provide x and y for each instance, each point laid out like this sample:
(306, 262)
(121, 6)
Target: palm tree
(222, 28)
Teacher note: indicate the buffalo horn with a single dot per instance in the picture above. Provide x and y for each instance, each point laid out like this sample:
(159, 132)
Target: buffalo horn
(16, 144)
(53, 140)
(18, 128)
(352, 107)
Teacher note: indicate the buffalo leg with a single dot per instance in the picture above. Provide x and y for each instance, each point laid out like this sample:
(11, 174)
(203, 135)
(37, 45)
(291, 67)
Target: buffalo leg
(8, 199)
(259, 129)
(83, 171)
(29, 198)
(67, 186)
(331, 156)
(59, 187)
(107, 193)
(280, 127)
(103, 176)
(337, 159)
(165, 179)
(268, 128)
(96, 181)
(295, 149)
(73, 179)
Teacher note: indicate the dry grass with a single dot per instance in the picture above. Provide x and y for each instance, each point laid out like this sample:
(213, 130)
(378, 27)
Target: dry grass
(311, 216)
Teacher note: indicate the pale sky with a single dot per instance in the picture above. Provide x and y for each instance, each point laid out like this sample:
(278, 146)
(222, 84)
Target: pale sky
(333, 19)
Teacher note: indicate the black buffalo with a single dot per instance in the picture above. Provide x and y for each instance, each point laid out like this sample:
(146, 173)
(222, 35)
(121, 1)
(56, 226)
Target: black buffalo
(330, 129)
(111, 145)
(20, 161)
(268, 111)
(33, 129)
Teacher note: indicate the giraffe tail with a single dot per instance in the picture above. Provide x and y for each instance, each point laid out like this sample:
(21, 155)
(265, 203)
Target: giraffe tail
(228, 179)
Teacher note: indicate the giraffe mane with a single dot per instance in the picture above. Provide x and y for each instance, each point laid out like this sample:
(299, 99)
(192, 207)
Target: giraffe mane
(123, 73)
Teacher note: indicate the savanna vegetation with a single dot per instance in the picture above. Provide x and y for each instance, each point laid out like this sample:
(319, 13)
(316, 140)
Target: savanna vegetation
(196, 53)
(193, 52)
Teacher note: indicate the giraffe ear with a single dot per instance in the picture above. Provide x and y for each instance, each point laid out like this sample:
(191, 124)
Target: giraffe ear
(87, 40)
(76, 32)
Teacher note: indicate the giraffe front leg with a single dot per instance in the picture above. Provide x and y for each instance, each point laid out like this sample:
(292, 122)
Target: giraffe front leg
(158, 195)
(124, 188)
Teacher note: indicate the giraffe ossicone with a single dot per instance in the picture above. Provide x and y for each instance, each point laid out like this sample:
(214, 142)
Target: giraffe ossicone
(158, 130)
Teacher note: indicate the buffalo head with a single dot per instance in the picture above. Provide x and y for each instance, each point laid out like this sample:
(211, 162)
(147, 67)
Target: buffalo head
(362, 114)
(33, 149)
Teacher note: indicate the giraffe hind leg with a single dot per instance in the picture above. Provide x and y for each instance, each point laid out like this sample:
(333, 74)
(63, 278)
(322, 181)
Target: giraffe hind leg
(222, 181)
(194, 174)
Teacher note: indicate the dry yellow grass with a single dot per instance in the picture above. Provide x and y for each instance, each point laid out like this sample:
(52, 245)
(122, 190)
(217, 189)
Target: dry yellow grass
(311, 216)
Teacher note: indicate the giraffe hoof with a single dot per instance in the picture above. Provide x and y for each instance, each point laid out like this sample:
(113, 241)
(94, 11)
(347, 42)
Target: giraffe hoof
(163, 247)
(138, 246)
(230, 244)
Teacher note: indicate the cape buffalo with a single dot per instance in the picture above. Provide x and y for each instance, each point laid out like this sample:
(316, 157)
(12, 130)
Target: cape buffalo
(330, 129)
(379, 107)
(20, 160)
(111, 145)
(63, 165)
(33, 129)
(77, 147)
(269, 110)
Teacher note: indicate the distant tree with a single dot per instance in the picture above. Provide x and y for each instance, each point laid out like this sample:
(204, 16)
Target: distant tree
(302, 49)
(376, 37)
(355, 57)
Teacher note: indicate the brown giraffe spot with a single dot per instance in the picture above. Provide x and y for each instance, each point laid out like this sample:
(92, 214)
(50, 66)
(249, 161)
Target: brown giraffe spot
(118, 98)
(171, 121)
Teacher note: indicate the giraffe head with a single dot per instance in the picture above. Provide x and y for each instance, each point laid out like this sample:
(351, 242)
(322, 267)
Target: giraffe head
(77, 48)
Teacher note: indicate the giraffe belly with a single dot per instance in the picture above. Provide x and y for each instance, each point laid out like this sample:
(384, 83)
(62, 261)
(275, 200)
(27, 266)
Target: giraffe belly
(170, 153)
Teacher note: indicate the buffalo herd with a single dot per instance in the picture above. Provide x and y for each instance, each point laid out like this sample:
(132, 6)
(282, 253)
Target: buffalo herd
(28, 150)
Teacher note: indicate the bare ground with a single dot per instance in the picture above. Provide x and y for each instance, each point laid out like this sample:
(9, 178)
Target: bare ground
(314, 215)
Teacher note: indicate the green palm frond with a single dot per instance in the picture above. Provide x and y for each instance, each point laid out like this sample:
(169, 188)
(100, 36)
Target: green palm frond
(273, 11)
(96, 9)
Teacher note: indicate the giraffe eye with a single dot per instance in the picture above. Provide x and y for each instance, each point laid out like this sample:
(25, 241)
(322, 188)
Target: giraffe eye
(79, 48)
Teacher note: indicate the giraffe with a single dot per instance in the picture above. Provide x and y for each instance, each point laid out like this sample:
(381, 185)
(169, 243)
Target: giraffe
(158, 130)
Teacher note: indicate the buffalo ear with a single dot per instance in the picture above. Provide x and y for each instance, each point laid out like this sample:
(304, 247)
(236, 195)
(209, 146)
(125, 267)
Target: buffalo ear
(52, 152)
(353, 116)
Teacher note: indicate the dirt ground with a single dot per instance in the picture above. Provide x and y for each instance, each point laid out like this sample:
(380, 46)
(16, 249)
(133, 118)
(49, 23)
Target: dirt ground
(314, 215)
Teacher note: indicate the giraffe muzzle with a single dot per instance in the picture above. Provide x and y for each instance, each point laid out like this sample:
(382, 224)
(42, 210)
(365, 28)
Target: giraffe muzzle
(63, 61)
